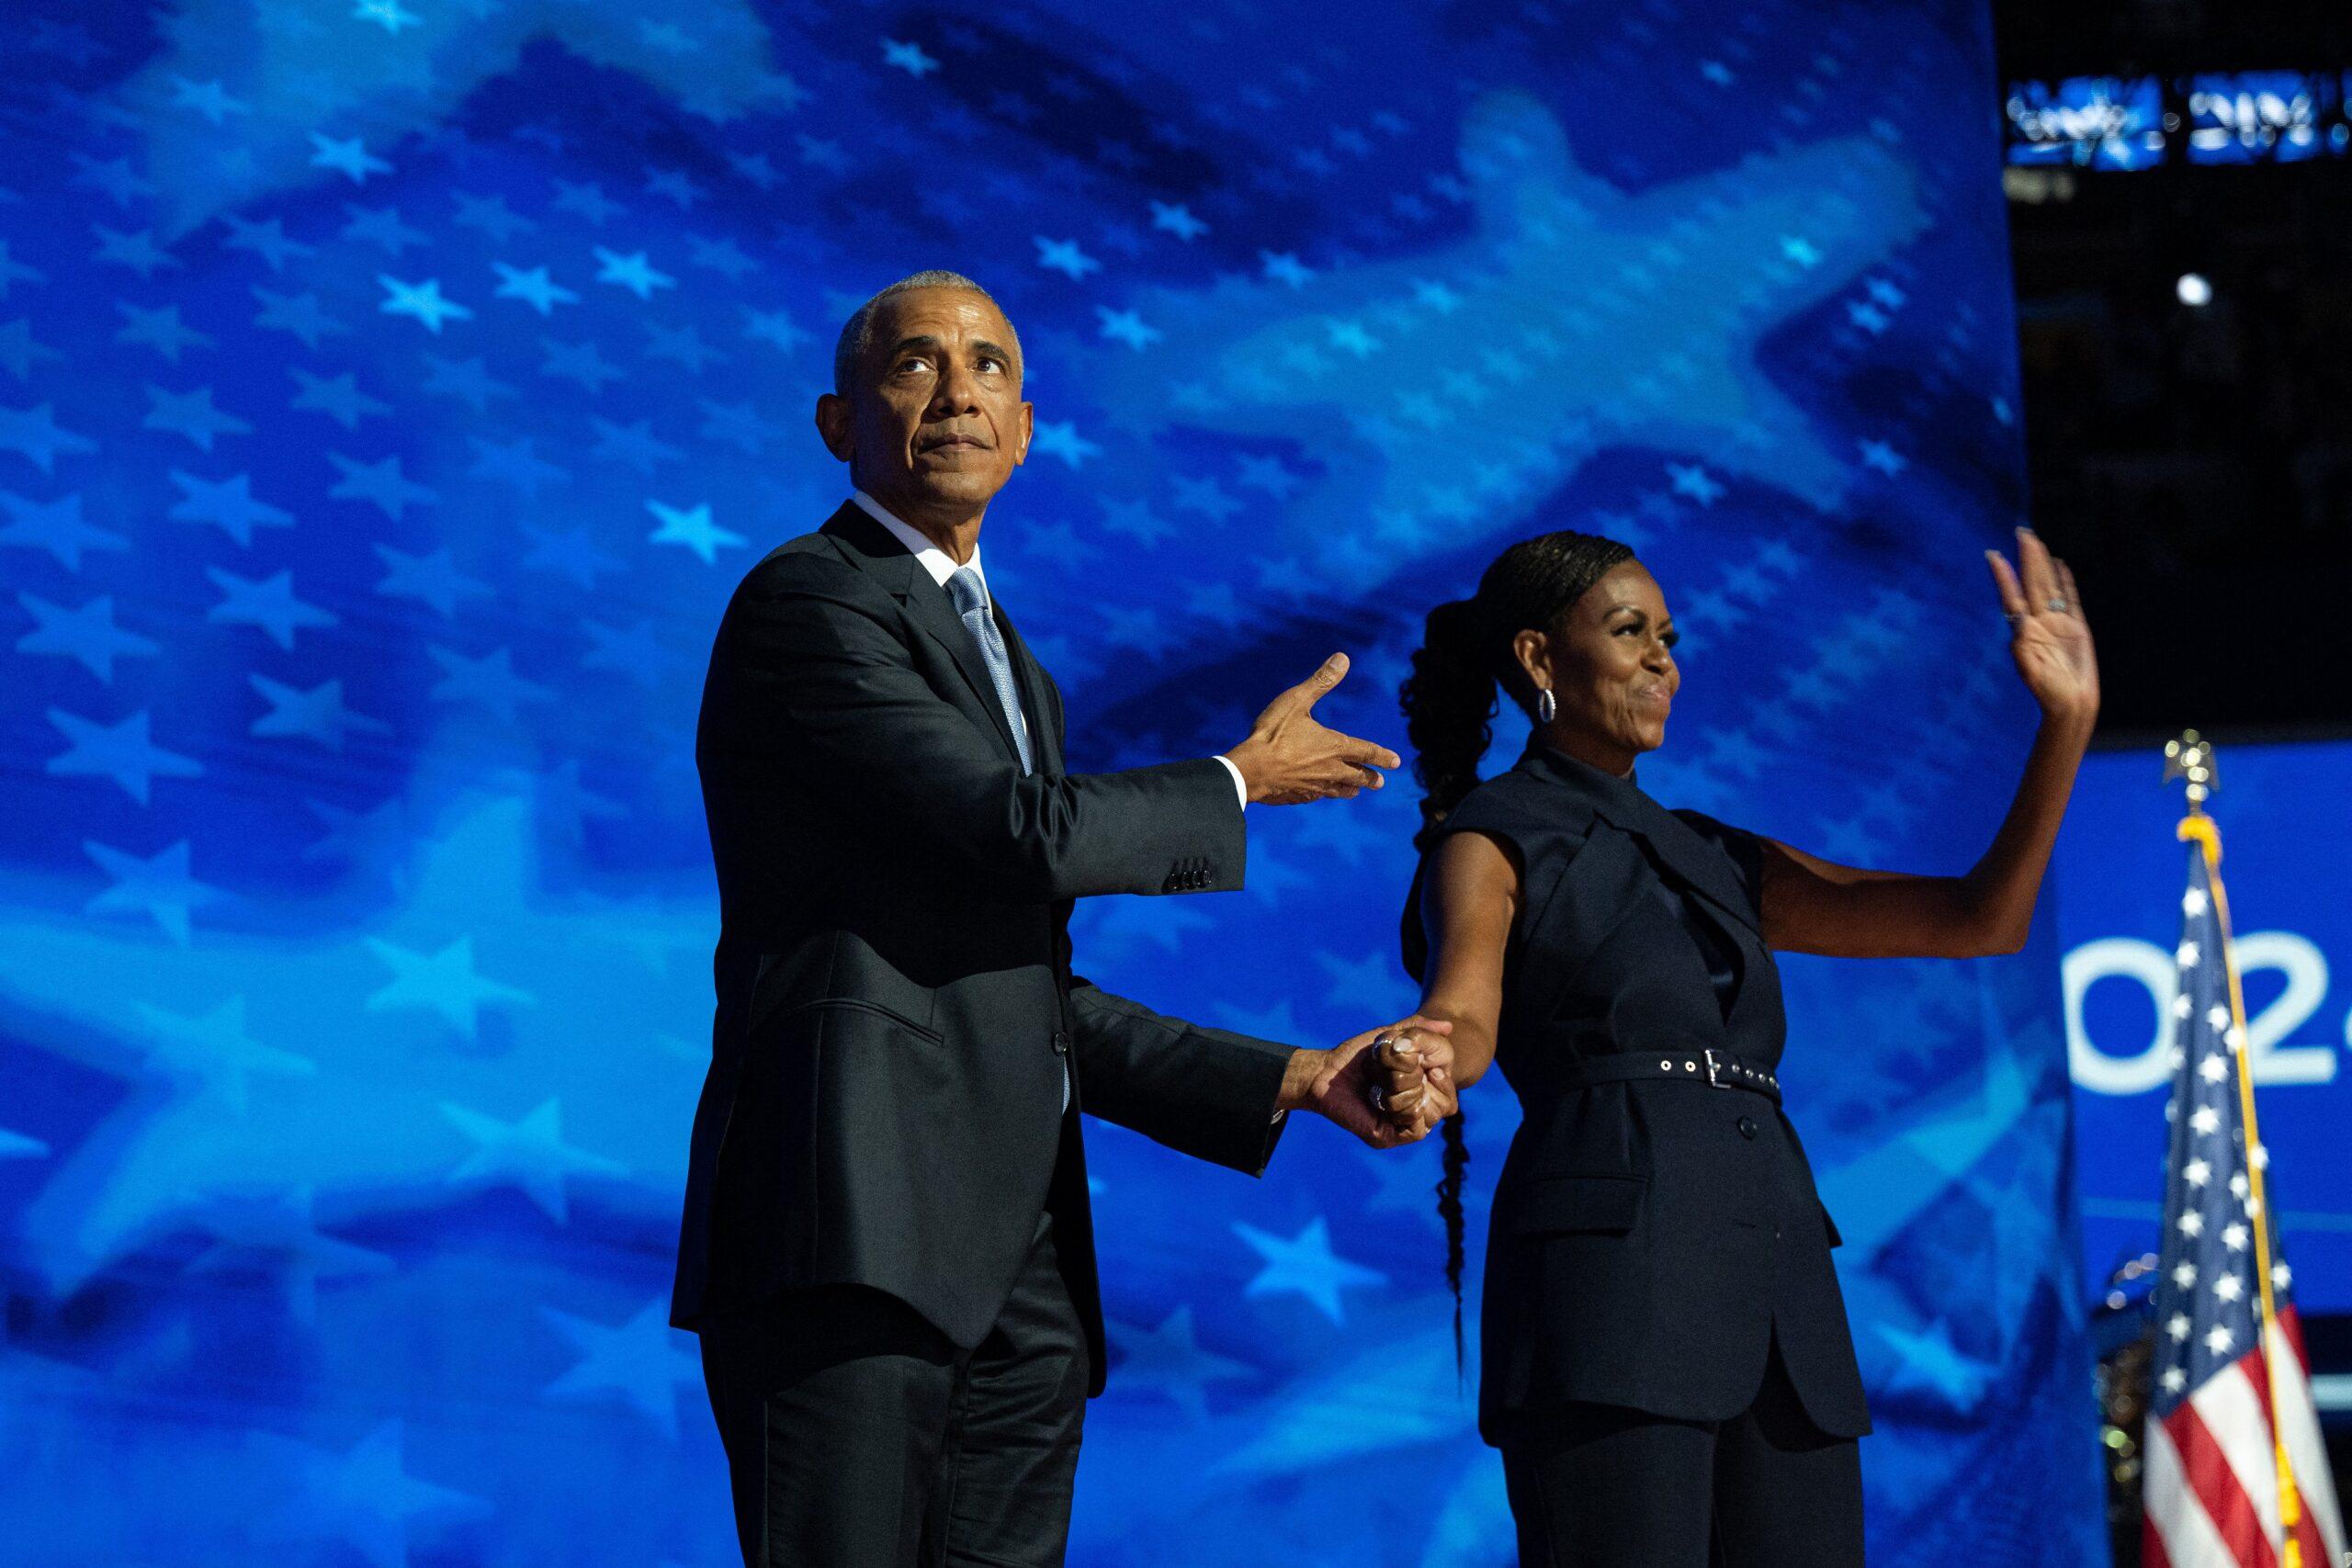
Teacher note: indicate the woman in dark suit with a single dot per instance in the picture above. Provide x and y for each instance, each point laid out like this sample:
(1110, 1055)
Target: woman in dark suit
(1666, 1363)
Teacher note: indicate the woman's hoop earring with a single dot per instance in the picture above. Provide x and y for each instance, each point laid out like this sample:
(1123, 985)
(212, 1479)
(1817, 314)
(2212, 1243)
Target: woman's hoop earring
(1546, 707)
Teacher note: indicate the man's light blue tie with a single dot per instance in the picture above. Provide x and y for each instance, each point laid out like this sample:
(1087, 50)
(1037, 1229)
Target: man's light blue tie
(972, 606)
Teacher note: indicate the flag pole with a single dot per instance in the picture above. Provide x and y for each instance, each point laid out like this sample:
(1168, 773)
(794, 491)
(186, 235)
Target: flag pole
(2191, 758)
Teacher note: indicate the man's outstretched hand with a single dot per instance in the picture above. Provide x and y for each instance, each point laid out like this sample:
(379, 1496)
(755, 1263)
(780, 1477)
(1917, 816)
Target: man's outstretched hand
(1290, 758)
(1413, 1074)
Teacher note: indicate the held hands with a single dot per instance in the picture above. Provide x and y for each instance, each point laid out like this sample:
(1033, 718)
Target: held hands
(2048, 636)
(1291, 758)
(1411, 1073)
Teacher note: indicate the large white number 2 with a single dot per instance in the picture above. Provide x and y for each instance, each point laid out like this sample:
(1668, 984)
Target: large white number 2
(2117, 957)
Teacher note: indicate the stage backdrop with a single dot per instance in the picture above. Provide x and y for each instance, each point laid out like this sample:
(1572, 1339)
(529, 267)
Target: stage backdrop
(392, 390)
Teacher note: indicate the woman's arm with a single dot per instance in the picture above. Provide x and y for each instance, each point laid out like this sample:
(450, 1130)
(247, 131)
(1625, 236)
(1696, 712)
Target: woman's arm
(1812, 905)
(1469, 899)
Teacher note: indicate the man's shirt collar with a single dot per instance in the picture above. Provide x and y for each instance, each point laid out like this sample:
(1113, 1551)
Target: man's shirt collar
(935, 560)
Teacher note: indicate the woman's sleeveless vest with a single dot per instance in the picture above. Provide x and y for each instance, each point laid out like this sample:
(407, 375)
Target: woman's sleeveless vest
(1650, 1239)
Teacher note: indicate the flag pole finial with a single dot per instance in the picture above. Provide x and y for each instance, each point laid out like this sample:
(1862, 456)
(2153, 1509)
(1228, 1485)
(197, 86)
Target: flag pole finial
(2191, 757)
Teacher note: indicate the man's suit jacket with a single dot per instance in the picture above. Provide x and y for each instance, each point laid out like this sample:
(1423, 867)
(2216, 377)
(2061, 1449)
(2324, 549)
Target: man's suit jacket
(896, 1009)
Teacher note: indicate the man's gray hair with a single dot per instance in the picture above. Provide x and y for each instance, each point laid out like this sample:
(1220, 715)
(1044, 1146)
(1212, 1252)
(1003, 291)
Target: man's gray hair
(858, 332)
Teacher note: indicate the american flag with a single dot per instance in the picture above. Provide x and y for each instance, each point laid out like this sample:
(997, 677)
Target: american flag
(2236, 1474)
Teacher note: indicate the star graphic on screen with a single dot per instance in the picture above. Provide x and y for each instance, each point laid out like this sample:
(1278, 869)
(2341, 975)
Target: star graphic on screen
(465, 379)
(276, 1232)
(19, 353)
(1928, 1361)
(381, 226)
(534, 287)
(1176, 218)
(1305, 1265)
(191, 415)
(433, 579)
(907, 57)
(86, 635)
(580, 361)
(316, 713)
(267, 239)
(135, 249)
(268, 603)
(160, 330)
(571, 553)
(1065, 257)
(350, 158)
(587, 199)
(35, 434)
(158, 886)
(1059, 438)
(528, 1155)
(390, 14)
(516, 463)
(1666, 361)
(633, 445)
(421, 300)
(444, 983)
(13, 271)
(775, 327)
(692, 527)
(681, 345)
(489, 681)
(214, 1051)
(722, 256)
(1127, 327)
(298, 314)
(337, 397)
(228, 503)
(1170, 1362)
(362, 1499)
(631, 272)
(381, 483)
(644, 1362)
(491, 215)
(122, 751)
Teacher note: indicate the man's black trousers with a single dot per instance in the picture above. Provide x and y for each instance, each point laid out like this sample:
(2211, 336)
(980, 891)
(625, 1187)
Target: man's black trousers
(858, 1436)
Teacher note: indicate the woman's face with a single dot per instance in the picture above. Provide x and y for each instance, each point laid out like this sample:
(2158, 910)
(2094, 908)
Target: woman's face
(1609, 665)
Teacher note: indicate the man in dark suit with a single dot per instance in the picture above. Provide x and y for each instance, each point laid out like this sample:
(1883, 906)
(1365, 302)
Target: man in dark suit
(887, 1249)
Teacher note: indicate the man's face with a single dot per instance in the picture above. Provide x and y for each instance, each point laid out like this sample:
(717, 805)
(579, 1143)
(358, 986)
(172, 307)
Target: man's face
(934, 423)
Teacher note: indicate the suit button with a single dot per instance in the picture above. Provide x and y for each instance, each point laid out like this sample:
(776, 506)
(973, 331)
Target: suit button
(1061, 1043)
(1747, 1125)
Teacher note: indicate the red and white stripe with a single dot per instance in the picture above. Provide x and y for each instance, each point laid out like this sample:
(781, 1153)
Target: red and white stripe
(2211, 1481)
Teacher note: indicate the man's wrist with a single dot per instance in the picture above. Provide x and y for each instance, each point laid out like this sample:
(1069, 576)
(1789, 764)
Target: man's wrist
(1306, 1065)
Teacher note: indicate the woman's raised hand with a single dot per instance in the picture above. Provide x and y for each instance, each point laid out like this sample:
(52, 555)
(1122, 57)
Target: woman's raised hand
(2048, 636)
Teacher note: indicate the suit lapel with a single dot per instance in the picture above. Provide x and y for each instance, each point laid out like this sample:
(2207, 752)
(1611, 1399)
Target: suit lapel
(872, 547)
(1030, 677)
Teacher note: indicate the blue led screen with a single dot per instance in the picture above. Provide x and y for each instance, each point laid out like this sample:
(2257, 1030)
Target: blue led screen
(2090, 122)
(2251, 117)
(392, 391)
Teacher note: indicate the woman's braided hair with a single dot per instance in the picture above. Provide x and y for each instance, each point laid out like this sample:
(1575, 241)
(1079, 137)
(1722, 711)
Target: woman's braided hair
(1448, 703)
